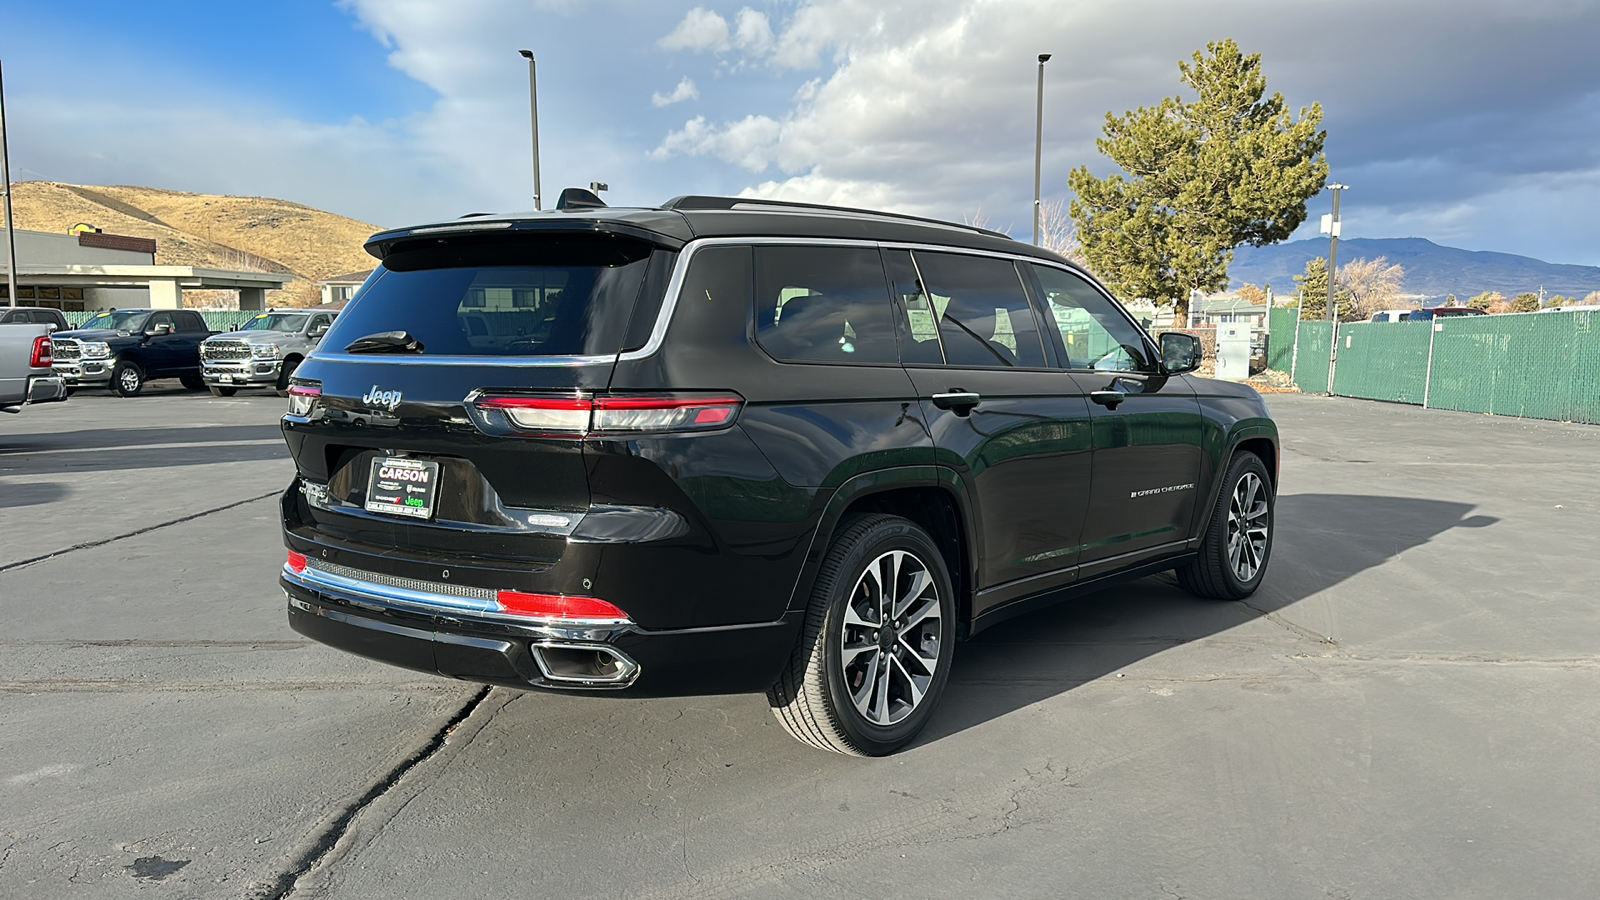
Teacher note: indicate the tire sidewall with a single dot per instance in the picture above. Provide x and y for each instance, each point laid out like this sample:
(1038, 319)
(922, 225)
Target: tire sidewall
(117, 374)
(1246, 463)
(894, 535)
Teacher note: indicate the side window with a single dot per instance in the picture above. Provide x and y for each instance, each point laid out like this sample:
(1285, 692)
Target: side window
(982, 310)
(1094, 334)
(160, 318)
(919, 326)
(190, 321)
(322, 321)
(823, 304)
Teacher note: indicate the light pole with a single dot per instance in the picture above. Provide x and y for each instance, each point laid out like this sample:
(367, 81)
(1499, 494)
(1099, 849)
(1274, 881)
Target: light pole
(533, 112)
(5, 191)
(1038, 146)
(1330, 227)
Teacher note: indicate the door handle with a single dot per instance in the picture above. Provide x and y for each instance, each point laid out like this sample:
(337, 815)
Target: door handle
(1108, 399)
(958, 401)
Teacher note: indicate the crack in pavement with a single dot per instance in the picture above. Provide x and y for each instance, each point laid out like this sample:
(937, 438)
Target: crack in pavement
(87, 545)
(324, 842)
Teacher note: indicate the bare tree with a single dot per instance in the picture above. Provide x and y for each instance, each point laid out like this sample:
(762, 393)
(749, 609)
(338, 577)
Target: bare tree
(1057, 231)
(1374, 284)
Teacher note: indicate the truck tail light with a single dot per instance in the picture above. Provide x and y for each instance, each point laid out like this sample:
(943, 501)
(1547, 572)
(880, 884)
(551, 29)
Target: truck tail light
(297, 562)
(41, 356)
(612, 416)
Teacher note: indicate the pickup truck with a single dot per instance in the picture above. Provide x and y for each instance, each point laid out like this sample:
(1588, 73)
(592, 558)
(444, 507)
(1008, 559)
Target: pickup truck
(25, 370)
(12, 315)
(124, 348)
(264, 352)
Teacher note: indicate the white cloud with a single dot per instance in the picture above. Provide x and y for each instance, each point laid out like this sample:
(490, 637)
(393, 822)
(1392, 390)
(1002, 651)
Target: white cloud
(753, 33)
(748, 143)
(684, 91)
(700, 30)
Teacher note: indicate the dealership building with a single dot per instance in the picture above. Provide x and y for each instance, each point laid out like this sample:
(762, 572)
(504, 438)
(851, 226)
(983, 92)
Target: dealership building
(92, 271)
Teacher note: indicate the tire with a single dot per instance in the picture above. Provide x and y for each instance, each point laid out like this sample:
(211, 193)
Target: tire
(219, 391)
(285, 373)
(192, 382)
(127, 379)
(1238, 543)
(839, 647)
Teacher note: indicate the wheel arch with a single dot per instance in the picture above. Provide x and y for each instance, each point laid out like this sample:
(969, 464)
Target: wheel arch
(933, 497)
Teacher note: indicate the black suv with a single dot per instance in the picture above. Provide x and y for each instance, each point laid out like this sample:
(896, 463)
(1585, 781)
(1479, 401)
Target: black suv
(742, 446)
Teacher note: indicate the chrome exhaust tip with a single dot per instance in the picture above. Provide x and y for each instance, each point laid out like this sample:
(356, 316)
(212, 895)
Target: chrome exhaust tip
(584, 665)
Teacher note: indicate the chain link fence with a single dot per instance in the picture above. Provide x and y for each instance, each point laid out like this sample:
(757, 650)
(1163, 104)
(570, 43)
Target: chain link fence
(1543, 365)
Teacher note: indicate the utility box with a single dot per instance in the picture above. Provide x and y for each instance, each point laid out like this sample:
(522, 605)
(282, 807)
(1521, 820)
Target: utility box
(1233, 351)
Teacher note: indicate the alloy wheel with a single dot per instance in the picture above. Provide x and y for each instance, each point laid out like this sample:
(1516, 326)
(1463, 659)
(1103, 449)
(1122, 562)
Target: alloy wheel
(1248, 520)
(891, 637)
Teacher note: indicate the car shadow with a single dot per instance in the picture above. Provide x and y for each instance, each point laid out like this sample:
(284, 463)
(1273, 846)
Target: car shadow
(1322, 540)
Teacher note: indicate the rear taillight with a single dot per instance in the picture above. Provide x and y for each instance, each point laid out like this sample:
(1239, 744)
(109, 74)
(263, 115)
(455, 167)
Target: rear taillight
(303, 399)
(559, 607)
(608, 416)
(297, 562)
(41, 356)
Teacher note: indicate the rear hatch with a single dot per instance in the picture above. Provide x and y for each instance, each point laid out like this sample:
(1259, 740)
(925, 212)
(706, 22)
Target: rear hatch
(411, 413)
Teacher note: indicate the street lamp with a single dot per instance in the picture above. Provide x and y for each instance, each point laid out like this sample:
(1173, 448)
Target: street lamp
(1330, 227)
(533, 112)
(5, 192)
(1038, 146)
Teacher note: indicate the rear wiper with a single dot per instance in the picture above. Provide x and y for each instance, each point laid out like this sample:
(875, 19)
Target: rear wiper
(385, 342)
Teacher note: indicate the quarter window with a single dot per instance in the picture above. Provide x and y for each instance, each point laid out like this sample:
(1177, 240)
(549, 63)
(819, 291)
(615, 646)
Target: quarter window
(823, 304)
(981, 311)
(1094, 334)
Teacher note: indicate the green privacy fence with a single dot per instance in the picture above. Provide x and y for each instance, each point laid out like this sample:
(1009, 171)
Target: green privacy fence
(1383, 361)
(1543, 365)
(1280, 344)
(216, 319)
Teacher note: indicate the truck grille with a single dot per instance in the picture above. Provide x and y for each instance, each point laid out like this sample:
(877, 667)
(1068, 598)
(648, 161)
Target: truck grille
(66, 349)
(225, 350)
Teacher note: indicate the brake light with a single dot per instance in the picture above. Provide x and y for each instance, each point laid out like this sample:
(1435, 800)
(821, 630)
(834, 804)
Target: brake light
(42, 354)
(303, 398)
(559, 606)
(297, 562)
(612, 416)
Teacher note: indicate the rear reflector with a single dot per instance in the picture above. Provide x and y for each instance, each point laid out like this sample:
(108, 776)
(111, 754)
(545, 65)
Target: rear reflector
(613, 416)
(297, 562)
(557, 606)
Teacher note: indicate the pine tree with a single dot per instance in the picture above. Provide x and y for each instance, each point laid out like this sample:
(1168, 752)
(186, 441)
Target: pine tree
(1198, 179)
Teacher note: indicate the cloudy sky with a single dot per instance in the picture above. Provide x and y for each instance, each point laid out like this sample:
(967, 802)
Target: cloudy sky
(1475, 125)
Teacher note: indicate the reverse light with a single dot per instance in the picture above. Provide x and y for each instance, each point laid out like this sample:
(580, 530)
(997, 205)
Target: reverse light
(297, 562)
(41, 356)
(614, 416)
(559, 607)
(303, 399)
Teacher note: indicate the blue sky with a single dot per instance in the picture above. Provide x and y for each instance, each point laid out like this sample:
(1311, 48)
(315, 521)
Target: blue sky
(1476, 125)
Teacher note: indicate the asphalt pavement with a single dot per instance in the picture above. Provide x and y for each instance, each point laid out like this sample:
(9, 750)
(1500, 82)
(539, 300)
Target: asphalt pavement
(1407, 707)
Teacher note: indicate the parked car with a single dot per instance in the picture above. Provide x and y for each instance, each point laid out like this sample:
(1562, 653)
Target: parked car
(1392, 315)
(43, 315)
(125, 348)
(1443, 312)
(264, 352)
(732, 445)
(25, 373)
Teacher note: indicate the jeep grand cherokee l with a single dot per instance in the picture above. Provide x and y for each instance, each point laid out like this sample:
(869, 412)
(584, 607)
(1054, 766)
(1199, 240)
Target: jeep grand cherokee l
(732, 445)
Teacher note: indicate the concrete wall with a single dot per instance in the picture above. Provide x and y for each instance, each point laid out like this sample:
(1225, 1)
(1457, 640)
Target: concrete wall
(39, 248)
(115, 298)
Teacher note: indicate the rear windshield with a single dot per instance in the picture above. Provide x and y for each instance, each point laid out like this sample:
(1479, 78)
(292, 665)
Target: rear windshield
(532, 297)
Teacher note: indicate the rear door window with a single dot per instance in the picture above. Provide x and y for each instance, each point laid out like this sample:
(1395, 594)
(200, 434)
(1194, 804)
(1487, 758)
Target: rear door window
(530, 297)
(823, 304)
(980, 308)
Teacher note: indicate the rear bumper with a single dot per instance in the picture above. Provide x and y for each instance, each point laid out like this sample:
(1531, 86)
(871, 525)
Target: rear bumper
(632, 661)
(46, 389)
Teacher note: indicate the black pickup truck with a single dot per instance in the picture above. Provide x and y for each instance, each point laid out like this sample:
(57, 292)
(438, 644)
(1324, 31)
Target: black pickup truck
(124, 348)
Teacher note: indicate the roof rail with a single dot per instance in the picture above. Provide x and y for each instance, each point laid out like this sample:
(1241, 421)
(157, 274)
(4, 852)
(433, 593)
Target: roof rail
(695, 201)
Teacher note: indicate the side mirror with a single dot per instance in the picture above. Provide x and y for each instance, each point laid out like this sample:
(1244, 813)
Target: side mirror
(1180, 352)
(319, 331)
(159, 330)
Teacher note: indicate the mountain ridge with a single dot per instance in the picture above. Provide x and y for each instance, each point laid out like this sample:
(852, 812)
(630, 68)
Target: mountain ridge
(1433, 270)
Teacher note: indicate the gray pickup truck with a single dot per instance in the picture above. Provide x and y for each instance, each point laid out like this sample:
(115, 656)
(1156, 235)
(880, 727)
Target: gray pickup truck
(264, 352)
(25, 372)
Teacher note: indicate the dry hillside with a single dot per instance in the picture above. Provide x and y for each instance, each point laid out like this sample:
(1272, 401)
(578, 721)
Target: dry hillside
(251, 233)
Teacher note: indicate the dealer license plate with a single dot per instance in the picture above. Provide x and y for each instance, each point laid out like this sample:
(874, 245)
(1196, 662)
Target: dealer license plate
(402, 487)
